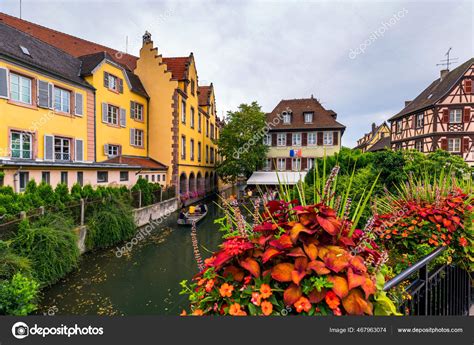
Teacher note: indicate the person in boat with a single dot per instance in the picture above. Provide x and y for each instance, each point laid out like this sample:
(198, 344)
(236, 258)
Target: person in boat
(192, 209)
(202, 208)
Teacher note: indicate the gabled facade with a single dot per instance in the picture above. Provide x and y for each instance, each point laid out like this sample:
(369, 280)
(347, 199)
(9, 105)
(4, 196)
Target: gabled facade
(300, 131)
(442, 116)
(377, 139)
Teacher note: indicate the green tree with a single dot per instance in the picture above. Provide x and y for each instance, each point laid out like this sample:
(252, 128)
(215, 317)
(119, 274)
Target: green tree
(241, 142)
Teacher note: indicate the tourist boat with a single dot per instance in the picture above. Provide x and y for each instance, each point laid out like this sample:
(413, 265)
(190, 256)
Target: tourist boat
(189, 219)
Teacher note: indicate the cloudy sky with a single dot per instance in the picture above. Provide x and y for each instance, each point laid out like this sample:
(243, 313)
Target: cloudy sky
(362, 59)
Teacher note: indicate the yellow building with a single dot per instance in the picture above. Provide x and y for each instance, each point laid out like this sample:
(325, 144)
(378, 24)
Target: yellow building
(377, 139)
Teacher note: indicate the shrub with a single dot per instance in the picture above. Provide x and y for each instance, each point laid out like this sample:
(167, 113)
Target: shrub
(53, 252)
(11, 263)
(18, 296)
(111, 222)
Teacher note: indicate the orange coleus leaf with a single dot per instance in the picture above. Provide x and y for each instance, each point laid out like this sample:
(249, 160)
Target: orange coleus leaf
(236, 273)
(355, 304)
(282, 272)
(252, 266)
(357, 262)
(292, 294)
(319, 267)
(297, 252)
(322, 251)
(339, 286)
(369, 287)
(331, 224)
(270, 253)
(300, 270)
(311, 251)
(284, 242)
(296, 230)
(336, 262)
(316, 296)
(354, 280)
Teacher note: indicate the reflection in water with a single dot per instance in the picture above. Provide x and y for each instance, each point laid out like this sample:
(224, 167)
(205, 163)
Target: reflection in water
(142, 281)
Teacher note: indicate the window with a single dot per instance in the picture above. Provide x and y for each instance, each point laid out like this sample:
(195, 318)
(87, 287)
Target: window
(21, 145)
(112, 114)
(310, 164)
(24, 178)
(46, 177)
(183, 147)
(113, 150)
(267, 139)
(327, 138)
(312, 138)
(62, 149)
(296, 164)
(207, 153)
(102, 176)
(192, 118)
(80, 178)
(419, 120)
(199, 151)
(137, 111)
(419, 145)
(199, 123)
(163, 177)
(281, 139)
(138, 138)
(64, 177)
(191, 149)
(296, 139)
(454, 145)
(399, 126)
(281, 164)
(308, 117)
(20, 88)
(212, 131)
(212, 155)
(207, 128)
(192, 87)
(124, 176)
(158, 177)
(183, 112)
(286, 117)
(152, 178)
(112, 82)
(146, 177)
(62, 100)
(455, 115)
(267, 165)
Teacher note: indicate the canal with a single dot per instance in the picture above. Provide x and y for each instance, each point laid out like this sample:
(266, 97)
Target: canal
(143, 281)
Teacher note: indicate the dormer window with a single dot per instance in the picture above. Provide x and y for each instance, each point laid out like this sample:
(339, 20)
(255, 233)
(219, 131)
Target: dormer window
(286, 117)
(308, 117)
(25, 50)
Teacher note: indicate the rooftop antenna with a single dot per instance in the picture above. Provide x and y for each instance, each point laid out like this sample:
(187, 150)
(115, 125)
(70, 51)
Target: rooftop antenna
(448, 61)
(20, 9)
(126, 44)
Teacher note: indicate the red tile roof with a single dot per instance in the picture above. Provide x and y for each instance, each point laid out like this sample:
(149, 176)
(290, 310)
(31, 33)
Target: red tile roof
(72, 45)
(144, 162)
(204, 92)
(178, 66)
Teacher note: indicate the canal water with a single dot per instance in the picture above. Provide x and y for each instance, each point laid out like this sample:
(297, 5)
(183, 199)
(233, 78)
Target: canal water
(143, 281)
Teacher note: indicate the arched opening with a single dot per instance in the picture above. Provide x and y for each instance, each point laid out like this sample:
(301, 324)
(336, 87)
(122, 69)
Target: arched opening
(183, 184)
(207, 182)
(200, 183)
(216, 181)
(211, 178)
(192, 183)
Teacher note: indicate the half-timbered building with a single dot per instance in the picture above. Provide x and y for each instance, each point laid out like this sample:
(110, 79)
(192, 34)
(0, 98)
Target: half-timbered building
(440, 117)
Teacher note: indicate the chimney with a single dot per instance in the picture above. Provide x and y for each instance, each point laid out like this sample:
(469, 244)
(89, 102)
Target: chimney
(406, 103)
(443, 73)
(373, 127)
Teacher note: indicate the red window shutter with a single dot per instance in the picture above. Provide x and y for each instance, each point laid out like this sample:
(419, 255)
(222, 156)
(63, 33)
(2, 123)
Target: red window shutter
(288, 164)
(304, 163)
(274, 139)
(288, 139)
(468, 86)
(335, 138)
(320, 139)
(444, 144)
(467, 114)
(272, 164)
(445, 116)
(465, 145)
(304, 139)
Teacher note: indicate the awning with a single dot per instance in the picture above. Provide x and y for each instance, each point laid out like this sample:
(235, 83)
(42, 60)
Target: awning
(276, 177)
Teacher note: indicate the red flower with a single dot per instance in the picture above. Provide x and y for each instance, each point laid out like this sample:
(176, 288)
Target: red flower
(209, 285)
(256, 298)
(302, 304)
(462, 242)
(267, 308)
(226, 290)
(236, 245)
(332, 300)
(265, 291)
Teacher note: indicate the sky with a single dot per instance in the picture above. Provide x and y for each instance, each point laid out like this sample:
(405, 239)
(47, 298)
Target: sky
(362, 59)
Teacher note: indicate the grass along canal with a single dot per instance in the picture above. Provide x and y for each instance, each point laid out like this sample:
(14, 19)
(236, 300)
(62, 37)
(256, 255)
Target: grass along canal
(143, 281)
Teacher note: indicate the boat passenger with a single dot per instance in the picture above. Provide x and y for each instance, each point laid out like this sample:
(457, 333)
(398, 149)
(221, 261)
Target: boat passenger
(203, 208)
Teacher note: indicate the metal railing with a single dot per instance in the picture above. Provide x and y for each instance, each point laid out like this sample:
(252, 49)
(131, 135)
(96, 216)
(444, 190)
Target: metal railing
(444, 290)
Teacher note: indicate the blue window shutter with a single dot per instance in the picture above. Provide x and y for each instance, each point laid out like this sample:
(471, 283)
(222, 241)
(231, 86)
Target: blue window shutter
(48, 147)
(79, 104)
(79, 150)
(104, 112)
(123, 117)
(3, 83)
(43, 94)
